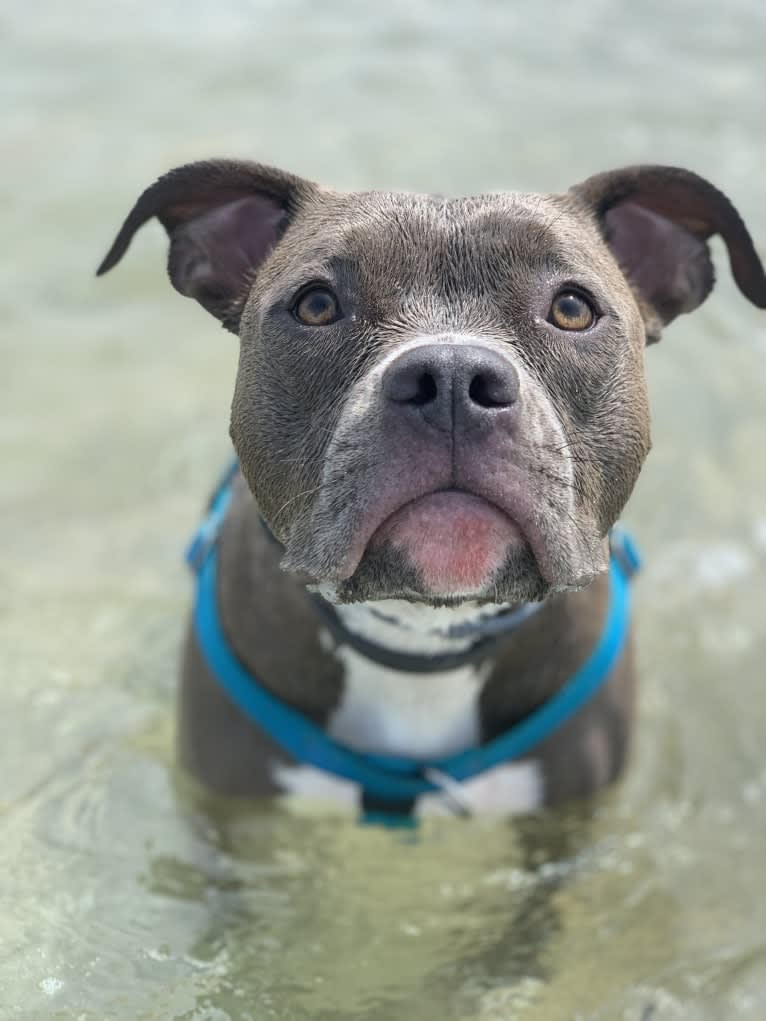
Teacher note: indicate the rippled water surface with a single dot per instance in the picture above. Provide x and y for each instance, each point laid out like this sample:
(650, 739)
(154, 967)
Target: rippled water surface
(123, 897)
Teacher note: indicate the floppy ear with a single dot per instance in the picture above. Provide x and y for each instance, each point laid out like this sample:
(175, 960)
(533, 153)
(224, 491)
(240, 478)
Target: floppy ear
(657, 221)
(223, 218)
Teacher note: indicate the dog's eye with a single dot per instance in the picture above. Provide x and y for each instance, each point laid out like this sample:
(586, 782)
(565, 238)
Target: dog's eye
(570, 311)
(316, 306)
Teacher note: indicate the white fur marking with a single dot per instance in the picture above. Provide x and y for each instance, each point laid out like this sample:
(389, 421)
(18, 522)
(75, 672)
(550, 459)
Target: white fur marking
(415, 627)
(396, 713)
(513, 788)
(308, 782)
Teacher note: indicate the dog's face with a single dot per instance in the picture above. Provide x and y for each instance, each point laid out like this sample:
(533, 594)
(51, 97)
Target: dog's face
(442, 399)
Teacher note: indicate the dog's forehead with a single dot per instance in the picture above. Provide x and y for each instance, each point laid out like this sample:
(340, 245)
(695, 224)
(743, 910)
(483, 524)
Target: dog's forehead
(383, 231)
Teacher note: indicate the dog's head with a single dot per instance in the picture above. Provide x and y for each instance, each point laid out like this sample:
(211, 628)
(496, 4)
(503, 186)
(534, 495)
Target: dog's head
(441, 399)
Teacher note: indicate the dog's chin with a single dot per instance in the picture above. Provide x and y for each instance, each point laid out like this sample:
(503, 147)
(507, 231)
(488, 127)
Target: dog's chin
(445, 548)
(387, 572)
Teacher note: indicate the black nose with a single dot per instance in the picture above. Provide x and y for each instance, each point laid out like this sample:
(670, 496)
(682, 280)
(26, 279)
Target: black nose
(451, 385)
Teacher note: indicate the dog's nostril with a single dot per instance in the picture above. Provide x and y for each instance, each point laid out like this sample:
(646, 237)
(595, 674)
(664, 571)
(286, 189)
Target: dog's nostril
(489, 391)
(426, 389)
(416, 385)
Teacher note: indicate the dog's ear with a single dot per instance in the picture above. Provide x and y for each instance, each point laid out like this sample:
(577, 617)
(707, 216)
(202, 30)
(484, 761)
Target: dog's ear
(223, 218)
(657, 221)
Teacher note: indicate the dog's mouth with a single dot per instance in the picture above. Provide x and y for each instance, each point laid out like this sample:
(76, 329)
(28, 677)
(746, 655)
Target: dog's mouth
(456, 541)
(475, 526)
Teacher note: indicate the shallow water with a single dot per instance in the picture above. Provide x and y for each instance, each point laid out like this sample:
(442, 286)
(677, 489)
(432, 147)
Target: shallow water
(124, 896)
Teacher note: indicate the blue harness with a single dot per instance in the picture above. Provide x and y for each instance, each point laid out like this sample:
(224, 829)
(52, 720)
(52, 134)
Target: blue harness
(386, 779)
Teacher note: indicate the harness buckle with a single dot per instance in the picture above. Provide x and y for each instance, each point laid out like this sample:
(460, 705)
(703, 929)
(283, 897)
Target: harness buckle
(451, 791)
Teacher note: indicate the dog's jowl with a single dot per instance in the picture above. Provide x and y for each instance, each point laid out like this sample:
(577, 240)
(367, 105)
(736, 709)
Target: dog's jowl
(411, 592)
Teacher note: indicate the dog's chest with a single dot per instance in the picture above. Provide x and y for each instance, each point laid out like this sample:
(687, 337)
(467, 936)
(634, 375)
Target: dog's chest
(414, 715)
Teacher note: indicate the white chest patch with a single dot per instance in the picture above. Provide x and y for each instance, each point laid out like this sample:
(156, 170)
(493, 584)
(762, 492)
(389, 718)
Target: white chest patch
(396, 713)
(393, 712)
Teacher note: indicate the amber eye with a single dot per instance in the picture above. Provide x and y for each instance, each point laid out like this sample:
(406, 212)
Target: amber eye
(570, 311)
(317, 306)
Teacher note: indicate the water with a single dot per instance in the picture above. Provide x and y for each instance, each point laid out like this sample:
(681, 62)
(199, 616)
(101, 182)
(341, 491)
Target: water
(124, 896)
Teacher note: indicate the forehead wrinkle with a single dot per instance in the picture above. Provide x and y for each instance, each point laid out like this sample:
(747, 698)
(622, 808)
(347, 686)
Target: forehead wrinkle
(499, 226)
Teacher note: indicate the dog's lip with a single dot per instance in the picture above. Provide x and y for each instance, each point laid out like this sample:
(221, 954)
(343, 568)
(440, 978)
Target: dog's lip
(372, 527)
(457, 490)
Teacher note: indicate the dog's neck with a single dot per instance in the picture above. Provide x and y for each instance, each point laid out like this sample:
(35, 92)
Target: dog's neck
(416, 627)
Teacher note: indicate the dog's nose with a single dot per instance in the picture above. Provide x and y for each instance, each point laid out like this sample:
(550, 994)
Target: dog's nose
(452, 385)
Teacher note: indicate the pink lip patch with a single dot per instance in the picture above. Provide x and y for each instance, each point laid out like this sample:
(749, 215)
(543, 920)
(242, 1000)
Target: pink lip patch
(456, 540)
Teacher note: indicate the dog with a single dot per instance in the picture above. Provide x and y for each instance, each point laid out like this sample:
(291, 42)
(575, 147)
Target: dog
(412, 595)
